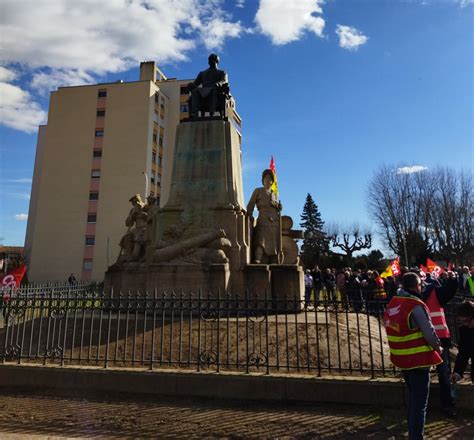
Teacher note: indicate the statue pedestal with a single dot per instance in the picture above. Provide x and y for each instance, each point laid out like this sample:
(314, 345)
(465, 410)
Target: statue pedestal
(187, 278)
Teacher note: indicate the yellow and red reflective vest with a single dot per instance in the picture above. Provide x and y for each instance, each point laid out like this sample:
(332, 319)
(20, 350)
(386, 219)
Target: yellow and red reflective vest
(437, 315)
(408, 347)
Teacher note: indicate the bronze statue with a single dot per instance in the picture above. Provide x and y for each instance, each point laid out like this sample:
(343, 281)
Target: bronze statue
(266, 239)
(132, 243)
(209, 90)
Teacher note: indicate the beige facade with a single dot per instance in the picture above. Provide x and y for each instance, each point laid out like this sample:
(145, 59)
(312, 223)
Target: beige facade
(99, 145)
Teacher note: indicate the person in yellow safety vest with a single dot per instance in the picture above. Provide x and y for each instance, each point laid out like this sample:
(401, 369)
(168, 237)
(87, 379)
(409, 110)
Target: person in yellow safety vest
(414, 348)
(435, 297)
(470, 284)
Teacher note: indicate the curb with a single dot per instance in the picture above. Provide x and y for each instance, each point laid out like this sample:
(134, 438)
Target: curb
(227, 385)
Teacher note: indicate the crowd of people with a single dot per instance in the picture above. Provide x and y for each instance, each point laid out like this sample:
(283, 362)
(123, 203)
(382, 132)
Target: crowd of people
(368, 289)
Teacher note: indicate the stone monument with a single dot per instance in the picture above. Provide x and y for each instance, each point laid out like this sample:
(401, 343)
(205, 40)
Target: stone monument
(203, 238)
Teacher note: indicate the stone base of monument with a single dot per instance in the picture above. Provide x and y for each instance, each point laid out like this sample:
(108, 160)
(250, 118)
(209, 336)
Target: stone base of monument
(187, 278)
(270, 288)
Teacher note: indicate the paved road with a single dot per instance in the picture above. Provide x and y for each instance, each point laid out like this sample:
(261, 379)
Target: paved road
(42, 414)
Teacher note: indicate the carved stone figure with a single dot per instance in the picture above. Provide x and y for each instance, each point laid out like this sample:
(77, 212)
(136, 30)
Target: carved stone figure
(206, 247)
(209, 90)
(289, 237)
(151, 210)
(132, 243)
(266, 238)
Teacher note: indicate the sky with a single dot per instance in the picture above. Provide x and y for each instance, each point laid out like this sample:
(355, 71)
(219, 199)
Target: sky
(332, 89)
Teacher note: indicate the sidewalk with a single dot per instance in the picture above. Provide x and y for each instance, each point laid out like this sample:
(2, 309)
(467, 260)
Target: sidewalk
(40, 414)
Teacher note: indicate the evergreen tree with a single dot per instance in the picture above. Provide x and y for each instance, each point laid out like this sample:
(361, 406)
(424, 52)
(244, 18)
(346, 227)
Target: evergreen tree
(315, 242)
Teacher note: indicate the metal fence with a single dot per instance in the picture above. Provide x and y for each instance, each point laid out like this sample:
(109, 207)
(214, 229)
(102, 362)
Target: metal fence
(247, 332)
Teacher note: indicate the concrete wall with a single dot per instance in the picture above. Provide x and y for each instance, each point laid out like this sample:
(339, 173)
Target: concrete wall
(289, 388)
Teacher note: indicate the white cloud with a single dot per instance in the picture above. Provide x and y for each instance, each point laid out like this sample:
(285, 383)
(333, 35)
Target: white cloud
(412, 169)
(7, 75)
(350, 38)
(21, 216)
(44, 82)
(70, 42)
(216, 31)
(20, 196)
(285, 21)
(22, 180)
(464, 3)
(18, 110)
(239, 3)
(106, 36)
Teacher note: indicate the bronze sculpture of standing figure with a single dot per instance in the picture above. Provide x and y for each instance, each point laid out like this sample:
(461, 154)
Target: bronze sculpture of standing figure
(209, 90)
(267, 234)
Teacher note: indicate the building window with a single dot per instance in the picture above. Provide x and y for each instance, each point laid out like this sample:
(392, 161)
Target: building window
(152, 179)
(155, 117)
(183, 108)
(102, 93)
(162, 108)
(160, 143)
(158, 179)
(87, 265)
(100, 112)
(155, 137)
(153, 157)
(91, 218)
(94, 195)
(157, 201)
(99, 133)
(160, 160)
(90, 240)
(183, 90)
(95, 174)
(97, 153)
(157, 95)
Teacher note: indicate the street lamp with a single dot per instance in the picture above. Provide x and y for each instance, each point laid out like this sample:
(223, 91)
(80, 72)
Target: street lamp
(146, 184)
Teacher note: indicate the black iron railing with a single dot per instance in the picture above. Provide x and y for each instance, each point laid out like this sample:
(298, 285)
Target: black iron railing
(212, 331)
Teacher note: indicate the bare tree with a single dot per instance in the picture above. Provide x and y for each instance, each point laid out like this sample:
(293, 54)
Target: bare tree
(424, 212)
(451, 220)
(349, 239)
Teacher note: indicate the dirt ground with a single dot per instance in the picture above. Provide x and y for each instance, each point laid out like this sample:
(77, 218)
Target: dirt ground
(44, 414)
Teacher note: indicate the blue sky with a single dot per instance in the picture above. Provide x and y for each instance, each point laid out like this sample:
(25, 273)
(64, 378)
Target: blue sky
(331, 89)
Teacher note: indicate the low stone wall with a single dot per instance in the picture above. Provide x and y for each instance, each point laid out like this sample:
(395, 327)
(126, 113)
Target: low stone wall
(290, 388)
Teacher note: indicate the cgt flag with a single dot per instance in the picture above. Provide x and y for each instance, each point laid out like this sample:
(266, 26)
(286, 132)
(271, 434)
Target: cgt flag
(12, 280)
(275, 183)
(433, 267)
(393, 269)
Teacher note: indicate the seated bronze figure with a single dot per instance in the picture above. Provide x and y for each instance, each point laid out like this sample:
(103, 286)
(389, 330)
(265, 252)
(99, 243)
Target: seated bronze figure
(209, 91)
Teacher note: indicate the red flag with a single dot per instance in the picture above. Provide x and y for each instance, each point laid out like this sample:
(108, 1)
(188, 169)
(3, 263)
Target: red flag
(450, 266)
(433, 267)
(12, 280)
(424, 268)
(275, 184)
(395, 266)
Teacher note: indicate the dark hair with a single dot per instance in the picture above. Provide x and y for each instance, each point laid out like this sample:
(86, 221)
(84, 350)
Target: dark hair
(410, 280)
(214, 56)
(466, 308)
(270, 173)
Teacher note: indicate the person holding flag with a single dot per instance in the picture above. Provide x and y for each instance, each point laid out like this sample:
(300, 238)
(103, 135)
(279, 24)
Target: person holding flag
(435, 297)
(10, 283)
(266, 239)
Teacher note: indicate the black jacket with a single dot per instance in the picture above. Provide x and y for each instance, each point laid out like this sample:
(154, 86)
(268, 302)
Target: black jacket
(466, 351)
